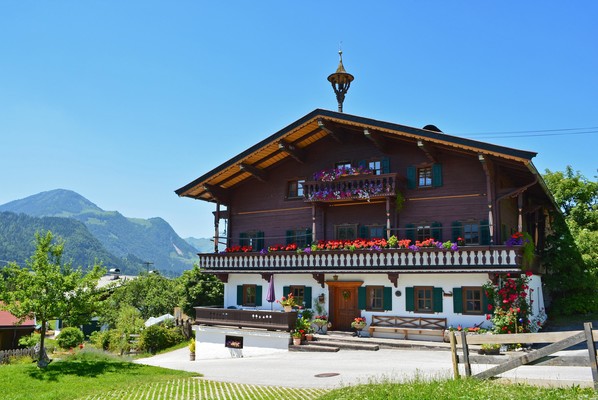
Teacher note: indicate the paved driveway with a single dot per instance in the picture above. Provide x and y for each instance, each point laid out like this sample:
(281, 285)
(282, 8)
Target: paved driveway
(298, 369)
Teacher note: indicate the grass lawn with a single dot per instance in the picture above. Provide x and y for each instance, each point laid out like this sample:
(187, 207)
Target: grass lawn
(456, 389)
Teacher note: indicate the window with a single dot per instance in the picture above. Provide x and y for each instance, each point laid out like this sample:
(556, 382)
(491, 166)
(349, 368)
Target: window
(424, 300)
(424, 232)
(249, 295)
(295, 189)
(343, 164)
(301, 237)
(472, 300)
(375, 167)
(372, 231)
(254, 239)
(424, 177)
(345, 232)
(298, 293)
(375, 298)
(471, 233)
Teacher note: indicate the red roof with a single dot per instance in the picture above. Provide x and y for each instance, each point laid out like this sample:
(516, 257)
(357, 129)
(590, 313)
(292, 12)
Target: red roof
(7, 319)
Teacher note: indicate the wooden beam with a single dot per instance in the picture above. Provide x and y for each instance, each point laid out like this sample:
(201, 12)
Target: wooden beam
(377, 139)
(587, 328)
(222, 277)
(337, 136)
(428, 151)
(292, 150)
(256, 172)
(218, 193)
(266, 276)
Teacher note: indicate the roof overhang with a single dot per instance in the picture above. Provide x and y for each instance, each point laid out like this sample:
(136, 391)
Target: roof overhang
(293, 141)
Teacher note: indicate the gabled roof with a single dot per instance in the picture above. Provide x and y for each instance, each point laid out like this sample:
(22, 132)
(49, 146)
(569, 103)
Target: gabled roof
(292, 141)
(7, 320)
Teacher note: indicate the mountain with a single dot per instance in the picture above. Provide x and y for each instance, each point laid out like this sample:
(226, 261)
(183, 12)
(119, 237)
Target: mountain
(202, 245)
(151, 240)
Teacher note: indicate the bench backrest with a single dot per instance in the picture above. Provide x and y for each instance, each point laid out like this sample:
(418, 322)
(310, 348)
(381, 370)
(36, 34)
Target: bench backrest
(409, 322)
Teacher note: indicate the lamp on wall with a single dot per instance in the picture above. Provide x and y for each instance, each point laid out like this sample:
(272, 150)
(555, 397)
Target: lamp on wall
(322, 298)
(335, 277)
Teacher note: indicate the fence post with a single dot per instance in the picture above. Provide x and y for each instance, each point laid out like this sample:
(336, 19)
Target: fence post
(454, 355)
(587, 327)
(465, 354)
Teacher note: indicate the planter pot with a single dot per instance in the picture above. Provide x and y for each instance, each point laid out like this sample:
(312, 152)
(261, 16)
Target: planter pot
(296, 341)
(309, 337)
(288, 308)
(191, 356)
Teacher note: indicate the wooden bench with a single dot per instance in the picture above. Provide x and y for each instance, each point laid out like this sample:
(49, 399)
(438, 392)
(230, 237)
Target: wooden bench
(408, 326)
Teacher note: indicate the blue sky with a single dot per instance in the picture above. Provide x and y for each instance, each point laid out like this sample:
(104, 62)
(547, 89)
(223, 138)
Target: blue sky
(124, 102)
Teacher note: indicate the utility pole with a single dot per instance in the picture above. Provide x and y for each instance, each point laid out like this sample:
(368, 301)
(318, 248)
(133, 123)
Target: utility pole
(147, 265)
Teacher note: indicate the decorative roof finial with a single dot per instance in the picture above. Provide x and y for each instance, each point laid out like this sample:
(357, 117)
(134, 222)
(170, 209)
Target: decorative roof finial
(341, 81)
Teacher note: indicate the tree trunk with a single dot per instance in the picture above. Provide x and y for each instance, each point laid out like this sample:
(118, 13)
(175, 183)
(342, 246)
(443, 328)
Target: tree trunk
(42, 357)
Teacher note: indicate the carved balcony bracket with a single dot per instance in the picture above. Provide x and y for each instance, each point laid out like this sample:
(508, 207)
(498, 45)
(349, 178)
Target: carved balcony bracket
(222, 277)
(319, 278)
(393, 277)
(256, 172)
(297, 153)
(428, 150)
(337, 136)
(266, 276)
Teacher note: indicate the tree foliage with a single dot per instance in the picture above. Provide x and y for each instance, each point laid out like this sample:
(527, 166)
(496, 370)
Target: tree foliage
(49, 289)
(199, 289)
(571, 253)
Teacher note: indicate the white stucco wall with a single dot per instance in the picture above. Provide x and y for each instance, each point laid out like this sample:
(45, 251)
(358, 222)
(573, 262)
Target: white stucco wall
(210, 342)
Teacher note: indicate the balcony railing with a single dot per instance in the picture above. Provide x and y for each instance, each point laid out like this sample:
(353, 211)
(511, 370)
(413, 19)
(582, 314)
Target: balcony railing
(352, 187)
(270, 320)
(466, 258)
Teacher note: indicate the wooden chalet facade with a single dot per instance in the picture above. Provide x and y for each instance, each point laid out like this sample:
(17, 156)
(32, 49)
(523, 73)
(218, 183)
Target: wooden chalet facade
(408, 182)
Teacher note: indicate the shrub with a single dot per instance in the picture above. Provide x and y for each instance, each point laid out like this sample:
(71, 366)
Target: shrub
(29, 341)
(158, 337)
(70, 337)
(100, 339)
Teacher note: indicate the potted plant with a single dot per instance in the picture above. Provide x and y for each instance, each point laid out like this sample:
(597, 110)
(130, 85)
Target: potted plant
(320, 321)
(490, 349)
(297, 334)
(288, 303)
(309, 334)
(192, 349)
(358, 324)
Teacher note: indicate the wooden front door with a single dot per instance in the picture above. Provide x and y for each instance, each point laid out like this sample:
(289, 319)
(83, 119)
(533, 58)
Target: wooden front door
(343, 304)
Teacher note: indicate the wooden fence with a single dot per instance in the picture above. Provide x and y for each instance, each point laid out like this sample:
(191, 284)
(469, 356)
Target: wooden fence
(6, 354)
(557, 341)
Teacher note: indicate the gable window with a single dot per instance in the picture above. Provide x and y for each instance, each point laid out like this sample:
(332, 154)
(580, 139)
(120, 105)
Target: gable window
(345, 232)
(295, 189)
(301, 237)
(424, 177)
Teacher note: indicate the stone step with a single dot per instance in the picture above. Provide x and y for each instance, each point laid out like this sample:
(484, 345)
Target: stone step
(346, 344)
(311, 348)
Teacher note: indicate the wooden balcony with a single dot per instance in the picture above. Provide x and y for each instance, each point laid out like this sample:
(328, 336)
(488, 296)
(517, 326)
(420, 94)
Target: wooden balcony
(270, 320)
(466, 259)
(351, 188)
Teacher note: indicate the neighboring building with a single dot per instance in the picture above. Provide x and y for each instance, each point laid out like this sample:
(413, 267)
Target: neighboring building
(11, 331)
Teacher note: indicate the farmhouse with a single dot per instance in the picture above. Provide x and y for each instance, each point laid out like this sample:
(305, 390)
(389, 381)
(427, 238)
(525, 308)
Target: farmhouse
(374, 219)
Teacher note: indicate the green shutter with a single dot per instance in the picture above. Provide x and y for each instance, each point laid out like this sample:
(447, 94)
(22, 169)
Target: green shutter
(361, 298)
(307, 296)
(243, 239)
(286, 290)
(363, 164)
(239, 295)
(410, 232)
(258, 296)
(436, 230)
(290, 237)
(485, 302)
(364, 232)
(409, 299)
(259, 242)
(457, 230)
(458, 300)
(437, 175)
(437, 298)
(484, 232)
(387, 298)
(411, 177)
(385, 165)
(308, 234)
